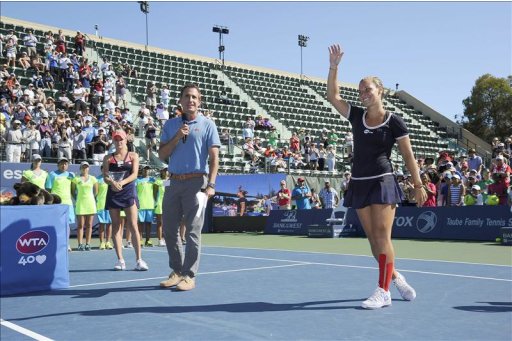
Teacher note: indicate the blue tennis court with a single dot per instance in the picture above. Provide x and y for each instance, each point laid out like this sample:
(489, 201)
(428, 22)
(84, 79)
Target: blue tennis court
(264, 294)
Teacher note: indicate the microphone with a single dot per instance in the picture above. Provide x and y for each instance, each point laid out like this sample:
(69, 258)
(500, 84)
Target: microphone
(183, 119)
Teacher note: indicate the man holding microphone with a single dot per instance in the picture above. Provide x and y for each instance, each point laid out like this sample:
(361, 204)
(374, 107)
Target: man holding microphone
(187, 144)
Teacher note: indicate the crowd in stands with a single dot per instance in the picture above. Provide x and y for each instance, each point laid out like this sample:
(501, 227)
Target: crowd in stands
(70, 107)
(89, 101)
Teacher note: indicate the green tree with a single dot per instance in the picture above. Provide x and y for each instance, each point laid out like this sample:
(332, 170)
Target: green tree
(488, 110)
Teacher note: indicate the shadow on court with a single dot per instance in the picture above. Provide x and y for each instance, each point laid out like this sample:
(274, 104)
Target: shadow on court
(245, 307)
(492, 307)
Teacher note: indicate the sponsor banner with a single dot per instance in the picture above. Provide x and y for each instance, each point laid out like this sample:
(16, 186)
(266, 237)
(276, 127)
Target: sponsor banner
(295, 222)
(34, 242)
(449, 223)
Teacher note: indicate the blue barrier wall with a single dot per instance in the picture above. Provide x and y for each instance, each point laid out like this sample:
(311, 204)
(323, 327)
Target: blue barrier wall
(34, 248)
(482, 223)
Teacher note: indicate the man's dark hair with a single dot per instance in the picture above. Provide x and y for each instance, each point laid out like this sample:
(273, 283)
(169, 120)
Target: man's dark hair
(190, 86)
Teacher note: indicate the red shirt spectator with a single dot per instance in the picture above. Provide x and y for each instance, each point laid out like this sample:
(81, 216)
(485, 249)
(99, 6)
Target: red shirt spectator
(294, 143)
(284, 197)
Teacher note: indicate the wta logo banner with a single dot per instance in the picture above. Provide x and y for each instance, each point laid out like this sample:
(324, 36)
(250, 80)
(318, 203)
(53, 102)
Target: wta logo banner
(32, 242)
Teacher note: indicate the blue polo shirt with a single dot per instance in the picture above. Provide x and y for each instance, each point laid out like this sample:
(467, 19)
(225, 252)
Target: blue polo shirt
(191, 156)
(303, 202)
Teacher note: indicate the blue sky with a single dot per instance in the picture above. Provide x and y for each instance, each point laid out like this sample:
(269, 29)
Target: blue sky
(435, 50)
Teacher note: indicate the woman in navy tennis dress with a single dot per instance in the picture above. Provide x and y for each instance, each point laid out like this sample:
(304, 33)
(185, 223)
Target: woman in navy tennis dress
(120, 171)
(373, 189)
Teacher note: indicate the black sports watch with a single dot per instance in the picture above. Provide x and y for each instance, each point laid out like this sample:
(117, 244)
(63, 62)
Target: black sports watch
(211, 185)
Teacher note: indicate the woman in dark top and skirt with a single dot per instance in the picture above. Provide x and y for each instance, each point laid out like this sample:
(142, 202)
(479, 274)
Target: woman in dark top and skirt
(373, 189)
(120, 171)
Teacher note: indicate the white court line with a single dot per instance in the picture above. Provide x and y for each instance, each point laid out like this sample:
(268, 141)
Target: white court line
(24, 331)
(202, 273)
(362, 267)
(349, 254)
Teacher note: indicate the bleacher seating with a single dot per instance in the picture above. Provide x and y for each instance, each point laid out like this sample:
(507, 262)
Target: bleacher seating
(292, 101)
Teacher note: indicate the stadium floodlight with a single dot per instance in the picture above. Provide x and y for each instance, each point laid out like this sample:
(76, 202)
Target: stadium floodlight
(303, 42)
(221, 30)
(144, 7)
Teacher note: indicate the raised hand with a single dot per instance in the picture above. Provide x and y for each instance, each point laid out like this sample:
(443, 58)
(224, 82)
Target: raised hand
(335, 54)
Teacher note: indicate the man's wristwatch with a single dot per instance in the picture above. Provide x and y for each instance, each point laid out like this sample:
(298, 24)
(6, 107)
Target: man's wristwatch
(211, 185)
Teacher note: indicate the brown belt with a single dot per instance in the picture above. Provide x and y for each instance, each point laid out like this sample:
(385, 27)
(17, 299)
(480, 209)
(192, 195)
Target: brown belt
(186, 176)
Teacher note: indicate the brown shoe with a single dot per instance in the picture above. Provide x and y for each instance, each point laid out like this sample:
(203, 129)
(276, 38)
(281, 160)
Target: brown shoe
(173, 279)
(186, 284)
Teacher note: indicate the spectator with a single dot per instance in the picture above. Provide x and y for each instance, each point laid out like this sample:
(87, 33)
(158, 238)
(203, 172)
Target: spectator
(37, 63)
(248, 130)
(60, 42)
(267, 125)
(223, 98)
(500, 167)
(30, 41)
(431, 190)
(46, 132)
(321, 157)
(498, 188)
(272, 137)
(314, 200)
(485, 181)
(32, 136)
(143, 115)
(165, 96)
(333, 139)
(64, 145)
(313, 156)
(331, 157)
(100, 144)
(284, 196)
(328, 196)
(474, 197)
(241, 203)
(150, 135)
(79, 146)
(24, 61)
(226, 139)
(151, 91)
(248, 149)
(259, 123)
(456, 192)
(344, 183)
(79, 43)
(294, 142)
(48, 80)
(121, 92)
(474, 161)
(301, 195)
(11, 45)
(162, 114)
(14, 139)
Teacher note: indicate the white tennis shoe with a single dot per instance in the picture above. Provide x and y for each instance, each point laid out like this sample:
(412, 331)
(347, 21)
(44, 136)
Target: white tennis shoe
(406, 291)
(120, 265)
(380, 298)
(141, 265)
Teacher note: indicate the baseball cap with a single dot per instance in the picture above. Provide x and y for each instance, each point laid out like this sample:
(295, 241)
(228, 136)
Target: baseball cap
(16, 122)
(471, 150)
(327, 182)
(499, 157)
(84, 163)
(63, 159)
(476, 187)
(456, 176)
(119, 134)
(45, 115)
(36, 157)
(300, 179)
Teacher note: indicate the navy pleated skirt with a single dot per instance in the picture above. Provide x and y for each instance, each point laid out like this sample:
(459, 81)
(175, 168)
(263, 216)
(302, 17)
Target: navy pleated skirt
(381, 190)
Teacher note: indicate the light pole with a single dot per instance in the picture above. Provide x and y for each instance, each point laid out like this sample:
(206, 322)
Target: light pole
(144, 7)
(96, 29)
(303, 42)
(221, 30)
